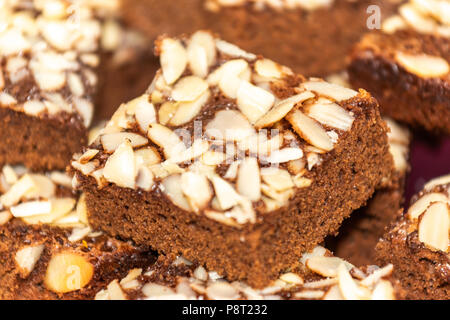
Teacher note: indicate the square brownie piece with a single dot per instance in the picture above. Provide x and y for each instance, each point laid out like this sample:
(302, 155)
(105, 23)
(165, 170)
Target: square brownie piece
(233, 161)
(47, 249)
(311, 37)
(321, 276)
(406, 65)
(418, 245)
(359, 234)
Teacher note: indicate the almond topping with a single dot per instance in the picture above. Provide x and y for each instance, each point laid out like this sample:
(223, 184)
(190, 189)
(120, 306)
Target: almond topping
(423, 203)
(112, 141)
(120, 168)
(229, 125)
(434, 227)
(187, 111)
(424, 65)
(332, 115)
(249, 180)
(171, 187)
(279, 179)
(189, 88)
(173, 59)
(197, 189)
(26, 259)
(331, 90)
(253, 101)
(166, 139)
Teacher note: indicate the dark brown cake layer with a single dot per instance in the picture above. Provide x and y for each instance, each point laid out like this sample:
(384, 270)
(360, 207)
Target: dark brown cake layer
(418, 247)
(108, 258)
(314, 42)
(403, 95)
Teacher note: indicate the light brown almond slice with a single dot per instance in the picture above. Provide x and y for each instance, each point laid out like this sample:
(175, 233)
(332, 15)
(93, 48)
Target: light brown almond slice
(282, 197)
(59, 208)
(197, 189)
(205, 40)
(166, 112)
(232, 170)
(225, 193)
(249, 179)
(166, 139)
(392, 24)
(284, 155)
(75, 84)
(111, 141)
(253, 101)
(153, 290)
(88, 155)
(279, 179)
(17, 191)
(79, 233)
(301, 182)
(86, 110)
(145, 179)
(399, 153)
(198, 60)
(189, 89)
(173, 59)
(27, 257)
(199, 147)
(147, 156)
(5, 217)
(13, 42)
(434, 227)
(268, 69)
(221, 217)
(291, 278)
(325, 266)
(296, 167)
(377, 275)
(398, 134)
(232, 68)
(6, 99)
(332, 115)
(416, 20)
(437, 182)
(171, 187)
(213, 158)
(383, 291)
(422, 204)
(229, 125)
(310, 130)
(67, 272)
(347, 285)
(221, 291)
(232, 50)
(187, 111)
(43, 187)
(33, 107)
(282, 108)
(144, 112)
(423, 65)
(313, 159)
(115, 291)
(120, 168)
(330, 90)
(31, 208)
(334, 293)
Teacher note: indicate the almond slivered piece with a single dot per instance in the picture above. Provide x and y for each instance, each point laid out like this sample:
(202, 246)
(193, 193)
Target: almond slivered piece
(253, 101)
(120, 168)
(331, 90)
(111, 141)
(423, 65)
(332, 115)
(173, 59)
(249, 179)
(166, 139)
(434, 227)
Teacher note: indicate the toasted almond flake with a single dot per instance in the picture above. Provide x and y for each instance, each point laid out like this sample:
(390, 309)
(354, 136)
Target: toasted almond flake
(334, 293)
(320, 283)
(284, 155)
(59, 208)
(31, 208)
(205, 40)
(75, 84)
(166, 139)
(281, 109)
(6, 99)
(424, 202)
(423, 65)
(129, 282)
(437, 182)
(253, 101)
(111, 35)
(13, 42)
(49, 80)
(79, 234)
(85, 169)
(347, 285)
(297, 167)
(377, 275)
(9, 174)
(88, 155)
(115, 291)
(229, 125)
(225, 193)
(291, 278)
(147, 157)
(398, 134)
(61, 178)
(70, 220)
(197, 189)
(171, 187)
(281, 197)
(189, 88)
(383, 291)
(392, 24)
(249, 179)
(416, 20)
(85, 109)
(33, 107)
(221, 291)
(232, 170)
(120, 168)
(232, 50)
(268, 69)
(330, 90)
(316, 294)
(400, 154)
(43, 187)
(229, 70)
(153, 290)
(187, 111)
(201, 274)
(166, 111)
(301, 182)
(102, 295)
(198, 59)
(325, 266)
(173, 59)
(144, 111)
(310, 130)
(5, 216)
(145, 179)
(213, 158)
(318, 251)
(332, 115)
(220, 217)
(112, 141)
(434, 227)
(279, 179)
(27, 257)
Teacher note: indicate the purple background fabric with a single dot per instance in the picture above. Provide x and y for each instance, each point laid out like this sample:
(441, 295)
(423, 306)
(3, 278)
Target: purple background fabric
(430, 158)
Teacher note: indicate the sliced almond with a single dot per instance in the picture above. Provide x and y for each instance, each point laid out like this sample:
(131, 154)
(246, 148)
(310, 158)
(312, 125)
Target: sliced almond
(292, 278)
(310, 130)
(330, 90)
(43, 187)
(205, 40)
(111, 141)
(332, 115)
(423, 65)
(153, 290)
(229, 125)
(187, 111)
(325, 266)
(296, 167)
(437, 182)
(268, 69)
(166, 111)
(166, 139)
(59, 208)
(253, 101)
(383, 291)
(279, 179)
(347, 285)
(88, 155)
(434, 227)
(221, 291)
(120, 168)
(225, 193)
(144, 112)
(5, 217)
(221, 217)
(282, 108)
(334, 293)
(171, 187)
(229, 70)
(145, 179)
(173, 59)
(31, 208)
(189, 88)
(27, 257)
(67, 272)
(198, 59)
(232, 50)
(17, 191)
(79, 234)
(115, 291)
(249, 179)
(213, 158)
(147, 157)
(197, 189)
(33, 107)
(284, 155)
(424, 202)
